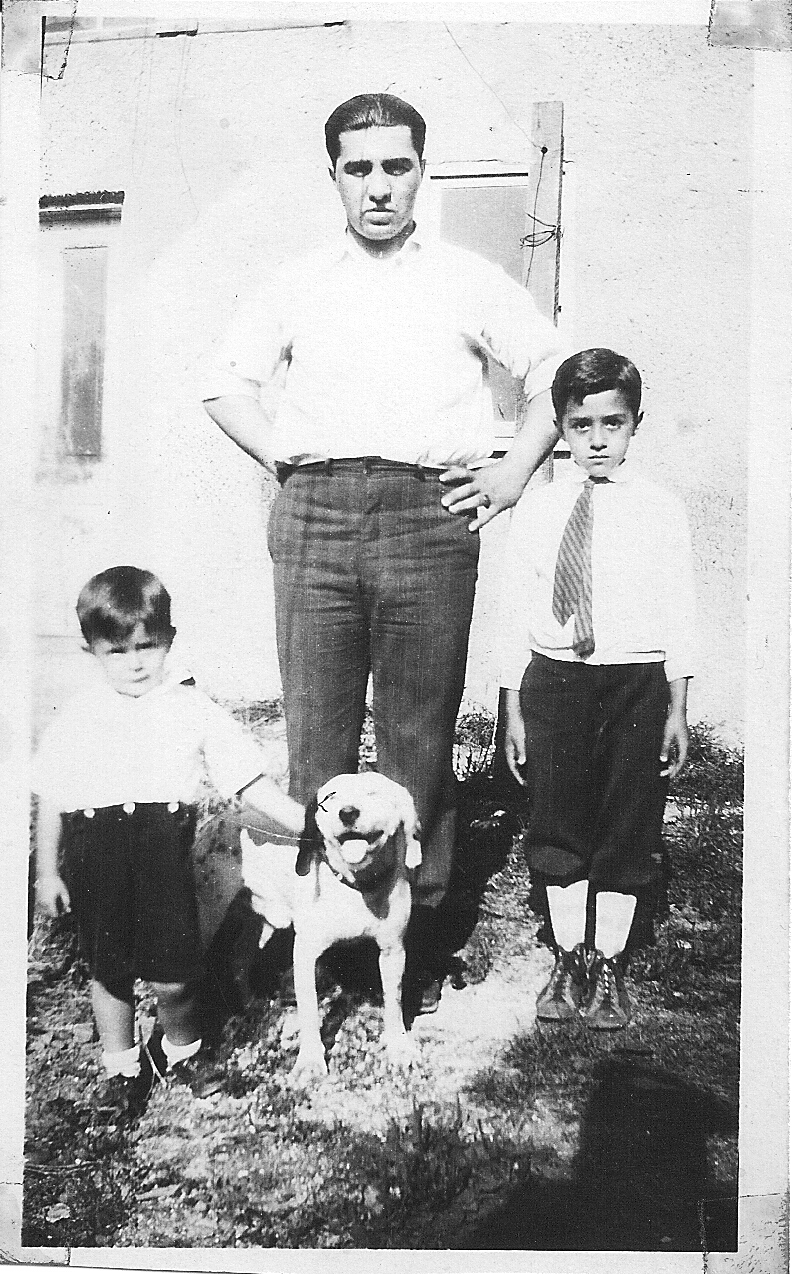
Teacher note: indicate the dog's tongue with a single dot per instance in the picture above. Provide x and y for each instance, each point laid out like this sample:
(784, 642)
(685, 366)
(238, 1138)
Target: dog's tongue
(354, 851)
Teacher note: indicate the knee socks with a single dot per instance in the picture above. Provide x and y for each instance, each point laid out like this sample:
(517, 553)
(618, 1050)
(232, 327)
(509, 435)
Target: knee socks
(614, 916)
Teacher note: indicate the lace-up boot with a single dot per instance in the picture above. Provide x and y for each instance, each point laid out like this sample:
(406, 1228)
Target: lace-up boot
(607, 1006)
(561, 999)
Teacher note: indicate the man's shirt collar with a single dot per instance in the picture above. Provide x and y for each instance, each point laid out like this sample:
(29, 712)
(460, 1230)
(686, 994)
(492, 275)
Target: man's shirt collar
(348, 246)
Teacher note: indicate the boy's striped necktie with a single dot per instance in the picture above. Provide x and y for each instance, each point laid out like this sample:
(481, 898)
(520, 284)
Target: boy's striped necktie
(572, 583)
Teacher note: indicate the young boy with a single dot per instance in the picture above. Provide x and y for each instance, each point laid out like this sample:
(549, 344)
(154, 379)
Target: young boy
(117, 775)
(600, 637)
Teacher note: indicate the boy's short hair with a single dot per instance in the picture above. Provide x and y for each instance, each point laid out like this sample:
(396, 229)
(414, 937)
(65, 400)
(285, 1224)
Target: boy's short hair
(113, 603)
(373, 110)
(595, 371)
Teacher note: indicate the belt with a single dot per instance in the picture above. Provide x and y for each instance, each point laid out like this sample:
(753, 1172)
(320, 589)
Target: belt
(357, 465)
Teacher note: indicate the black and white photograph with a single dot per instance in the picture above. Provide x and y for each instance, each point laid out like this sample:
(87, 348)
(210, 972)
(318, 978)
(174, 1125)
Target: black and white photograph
(396, 590)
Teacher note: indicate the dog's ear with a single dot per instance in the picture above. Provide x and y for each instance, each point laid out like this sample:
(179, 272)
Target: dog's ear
(411, 827)
(308, 839)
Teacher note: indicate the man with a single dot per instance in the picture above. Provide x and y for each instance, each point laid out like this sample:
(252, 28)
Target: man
(377, 349)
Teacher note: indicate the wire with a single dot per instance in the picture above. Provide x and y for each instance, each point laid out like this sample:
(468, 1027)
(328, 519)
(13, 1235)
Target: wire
(489, 86)
(543, 232)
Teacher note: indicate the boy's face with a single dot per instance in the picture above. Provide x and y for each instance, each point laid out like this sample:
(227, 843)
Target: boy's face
(135, 666)
(598, 431)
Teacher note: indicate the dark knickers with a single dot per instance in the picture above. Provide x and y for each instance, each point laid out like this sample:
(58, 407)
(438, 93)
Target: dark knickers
(593, 739)
(130, 878)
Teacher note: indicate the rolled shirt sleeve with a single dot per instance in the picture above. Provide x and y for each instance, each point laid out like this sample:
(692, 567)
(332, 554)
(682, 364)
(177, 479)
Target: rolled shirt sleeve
(251, 351)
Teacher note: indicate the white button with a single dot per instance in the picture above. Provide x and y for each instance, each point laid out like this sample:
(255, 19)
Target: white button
(89, 813)
(173, 807)
(129, 807)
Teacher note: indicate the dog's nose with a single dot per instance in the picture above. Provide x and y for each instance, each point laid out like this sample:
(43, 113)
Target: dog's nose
(348, 815)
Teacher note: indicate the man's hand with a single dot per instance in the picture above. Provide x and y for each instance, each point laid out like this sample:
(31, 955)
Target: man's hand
(52, 894)
(487, 491)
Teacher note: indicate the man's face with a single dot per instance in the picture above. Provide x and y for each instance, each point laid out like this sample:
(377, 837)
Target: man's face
(377, 174)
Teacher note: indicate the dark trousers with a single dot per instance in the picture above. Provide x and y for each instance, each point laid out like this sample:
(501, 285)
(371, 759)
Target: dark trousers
(593, 739)
(373, 575)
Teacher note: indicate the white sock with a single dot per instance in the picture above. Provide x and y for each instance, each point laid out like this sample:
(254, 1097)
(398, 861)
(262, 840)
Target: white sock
(179, 1052)
(126, 1062)
(614, 919)
(567, 908)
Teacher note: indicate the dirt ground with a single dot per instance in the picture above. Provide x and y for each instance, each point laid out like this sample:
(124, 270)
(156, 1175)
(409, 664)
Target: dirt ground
(504, 1134)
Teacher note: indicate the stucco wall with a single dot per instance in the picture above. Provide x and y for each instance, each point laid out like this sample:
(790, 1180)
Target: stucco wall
(217, 142)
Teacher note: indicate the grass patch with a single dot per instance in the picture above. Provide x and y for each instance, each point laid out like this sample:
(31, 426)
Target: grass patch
(566, 1140)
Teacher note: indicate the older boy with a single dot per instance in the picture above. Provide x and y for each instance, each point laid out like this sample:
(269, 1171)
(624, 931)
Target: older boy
(600, 631)
(117, 775)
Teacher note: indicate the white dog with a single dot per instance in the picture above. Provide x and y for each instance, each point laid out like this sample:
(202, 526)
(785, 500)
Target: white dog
(352, 882)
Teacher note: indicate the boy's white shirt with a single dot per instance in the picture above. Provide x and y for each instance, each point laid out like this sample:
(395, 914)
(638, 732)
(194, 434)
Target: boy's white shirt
(643, 592)
(105, 748)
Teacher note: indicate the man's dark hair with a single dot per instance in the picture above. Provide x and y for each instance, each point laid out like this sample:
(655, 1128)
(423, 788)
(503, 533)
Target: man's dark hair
(112, 604)
(373, 110)
(595, 371)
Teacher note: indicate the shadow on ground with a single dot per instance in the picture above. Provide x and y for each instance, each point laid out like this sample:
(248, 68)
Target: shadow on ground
(640, 1179)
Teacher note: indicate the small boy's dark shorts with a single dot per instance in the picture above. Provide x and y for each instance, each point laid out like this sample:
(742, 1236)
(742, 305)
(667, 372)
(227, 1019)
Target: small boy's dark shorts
(593, 740)
(130, 879)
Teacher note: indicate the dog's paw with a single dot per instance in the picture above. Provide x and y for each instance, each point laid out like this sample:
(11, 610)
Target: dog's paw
(310, 1067)
(402, 1049)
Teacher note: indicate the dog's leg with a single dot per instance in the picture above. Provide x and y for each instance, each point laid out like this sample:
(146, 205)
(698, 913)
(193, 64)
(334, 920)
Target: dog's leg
(311, 1057)
(401, 1047)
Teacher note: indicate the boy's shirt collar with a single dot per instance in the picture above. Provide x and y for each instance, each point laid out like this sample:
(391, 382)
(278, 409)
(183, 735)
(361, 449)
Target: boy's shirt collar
(624, 472)
(176, 674)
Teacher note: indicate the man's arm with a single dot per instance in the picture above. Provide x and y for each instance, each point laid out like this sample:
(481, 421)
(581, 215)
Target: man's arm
(488, 491)
(244, 420)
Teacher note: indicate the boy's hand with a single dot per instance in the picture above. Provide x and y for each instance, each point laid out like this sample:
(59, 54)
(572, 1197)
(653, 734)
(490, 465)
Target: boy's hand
(53, 895)
(514, 735)
(674, 750)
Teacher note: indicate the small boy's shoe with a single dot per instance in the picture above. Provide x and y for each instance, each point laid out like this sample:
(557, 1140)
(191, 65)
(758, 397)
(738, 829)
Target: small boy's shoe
(122, 1098)
(607, 1005)
(199, 1073)
(561, 999)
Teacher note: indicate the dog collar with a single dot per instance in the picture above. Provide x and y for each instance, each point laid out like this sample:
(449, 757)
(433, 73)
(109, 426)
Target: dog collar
(352, 884)
(371, 879)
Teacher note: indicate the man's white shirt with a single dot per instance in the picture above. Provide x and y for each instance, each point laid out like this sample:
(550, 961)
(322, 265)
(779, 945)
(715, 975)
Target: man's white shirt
(351, 355)
(643, 599)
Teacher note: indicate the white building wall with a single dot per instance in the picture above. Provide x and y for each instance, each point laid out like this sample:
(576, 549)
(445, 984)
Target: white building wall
(217, 141)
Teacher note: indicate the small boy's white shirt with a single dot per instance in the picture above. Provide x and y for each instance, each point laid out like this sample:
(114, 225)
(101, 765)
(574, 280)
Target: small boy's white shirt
(643, 595)
(106, 748)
